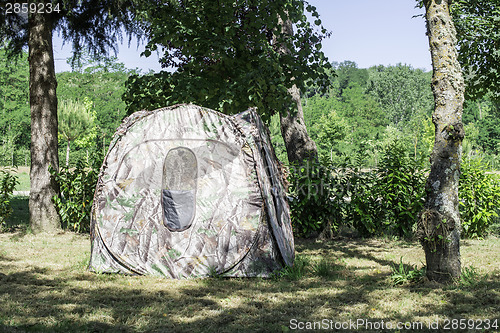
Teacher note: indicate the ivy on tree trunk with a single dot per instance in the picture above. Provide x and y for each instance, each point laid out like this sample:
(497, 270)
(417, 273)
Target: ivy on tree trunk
(439, 224)
(43, 105)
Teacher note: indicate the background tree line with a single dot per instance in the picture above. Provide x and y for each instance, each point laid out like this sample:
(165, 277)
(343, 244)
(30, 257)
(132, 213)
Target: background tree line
(363, 111)
(98, 82)
(376, 119)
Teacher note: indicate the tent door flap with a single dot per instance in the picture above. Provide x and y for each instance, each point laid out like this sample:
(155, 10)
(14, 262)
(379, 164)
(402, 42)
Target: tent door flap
(178, 209)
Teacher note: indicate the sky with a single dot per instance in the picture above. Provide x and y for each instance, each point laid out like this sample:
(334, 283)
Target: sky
(375, 32)
(368, 32)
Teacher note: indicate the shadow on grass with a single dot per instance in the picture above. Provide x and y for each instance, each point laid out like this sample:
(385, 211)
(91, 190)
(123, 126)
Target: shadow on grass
(20, 213)
(348, 249)
(50, 300)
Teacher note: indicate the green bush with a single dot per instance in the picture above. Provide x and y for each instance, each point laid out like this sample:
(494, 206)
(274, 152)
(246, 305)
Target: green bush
(77, 186)
(324, 196)
(8, 183)
(479, 194)
(385, 200)
(362, 209)
(310, 197)
(400, 190)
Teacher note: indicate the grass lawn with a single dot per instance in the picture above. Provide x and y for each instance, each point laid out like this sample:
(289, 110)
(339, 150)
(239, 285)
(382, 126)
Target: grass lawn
(24, 181)
(44, 287)
(23, 175)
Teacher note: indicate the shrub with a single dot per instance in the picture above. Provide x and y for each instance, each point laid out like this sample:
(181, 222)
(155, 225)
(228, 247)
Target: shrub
(400, 189)
(310, 195)
(479, 194)
(8, 183)
(323, 196)
(362, 209)
(77, 186)
(389, 198)
(384, 200)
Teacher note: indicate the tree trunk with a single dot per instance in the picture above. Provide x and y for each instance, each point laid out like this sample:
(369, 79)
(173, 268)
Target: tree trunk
(43, 104)
(299, 146)
(439, 224)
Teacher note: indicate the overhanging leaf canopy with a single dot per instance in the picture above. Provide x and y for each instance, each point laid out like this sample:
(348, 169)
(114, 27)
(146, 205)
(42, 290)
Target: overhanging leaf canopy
(478, 40)
(226, 54)
(95, 25)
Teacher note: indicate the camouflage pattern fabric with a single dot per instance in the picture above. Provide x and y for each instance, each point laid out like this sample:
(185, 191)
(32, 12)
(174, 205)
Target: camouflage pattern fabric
(271, 182)
(210, 208)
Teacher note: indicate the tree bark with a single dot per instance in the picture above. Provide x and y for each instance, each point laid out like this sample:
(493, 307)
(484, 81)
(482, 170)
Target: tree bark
(299, 146)
(43, 105)
(439, 224)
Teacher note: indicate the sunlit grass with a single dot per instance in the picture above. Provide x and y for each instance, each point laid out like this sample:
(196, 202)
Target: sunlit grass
(23, 176)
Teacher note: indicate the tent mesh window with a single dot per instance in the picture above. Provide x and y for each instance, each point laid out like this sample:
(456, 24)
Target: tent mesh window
(178, 195)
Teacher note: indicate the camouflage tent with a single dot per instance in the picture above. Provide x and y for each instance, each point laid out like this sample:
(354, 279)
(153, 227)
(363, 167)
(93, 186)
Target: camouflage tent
(189, 192)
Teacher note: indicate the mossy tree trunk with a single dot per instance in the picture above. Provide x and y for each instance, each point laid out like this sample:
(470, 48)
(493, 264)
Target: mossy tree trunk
(43, 104)
(439, 224)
